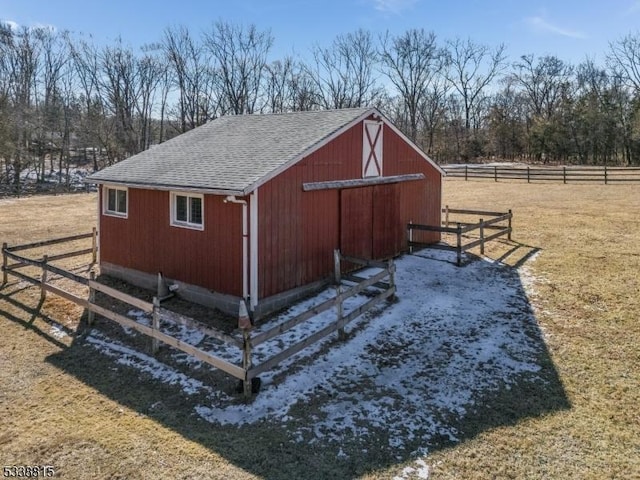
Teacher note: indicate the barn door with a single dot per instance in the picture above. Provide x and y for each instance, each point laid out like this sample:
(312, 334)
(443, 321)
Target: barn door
(356, 222)
(372, 149)
(370, 224)
(388, 232)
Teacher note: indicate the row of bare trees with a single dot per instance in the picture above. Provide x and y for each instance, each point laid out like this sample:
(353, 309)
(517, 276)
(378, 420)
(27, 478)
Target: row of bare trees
(64, 99)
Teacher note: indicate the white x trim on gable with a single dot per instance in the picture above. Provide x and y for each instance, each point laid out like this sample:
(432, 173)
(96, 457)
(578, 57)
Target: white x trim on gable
(372, 148)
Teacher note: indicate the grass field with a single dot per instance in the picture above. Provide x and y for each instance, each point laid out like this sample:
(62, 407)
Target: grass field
(64, 404)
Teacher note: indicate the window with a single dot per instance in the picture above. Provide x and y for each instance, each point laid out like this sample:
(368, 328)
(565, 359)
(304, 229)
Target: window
(187, 210)
(115, 201)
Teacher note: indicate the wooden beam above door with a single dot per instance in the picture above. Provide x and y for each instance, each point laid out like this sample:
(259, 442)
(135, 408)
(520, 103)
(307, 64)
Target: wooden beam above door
(361, 182)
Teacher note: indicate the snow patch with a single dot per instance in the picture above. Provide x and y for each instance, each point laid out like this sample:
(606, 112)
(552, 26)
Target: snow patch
(404, 374)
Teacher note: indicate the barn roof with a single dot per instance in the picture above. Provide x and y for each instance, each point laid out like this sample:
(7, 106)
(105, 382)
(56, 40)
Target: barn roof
(232, 154)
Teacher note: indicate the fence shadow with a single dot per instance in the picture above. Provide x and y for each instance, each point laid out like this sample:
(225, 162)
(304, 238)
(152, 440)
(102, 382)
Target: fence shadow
(278, 448)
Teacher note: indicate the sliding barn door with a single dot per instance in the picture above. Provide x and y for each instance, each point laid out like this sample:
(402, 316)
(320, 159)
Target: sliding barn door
(356, 222)
(370, 221)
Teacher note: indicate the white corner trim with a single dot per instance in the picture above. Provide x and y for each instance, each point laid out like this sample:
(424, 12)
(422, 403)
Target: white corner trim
(253, 248)
(99, 220)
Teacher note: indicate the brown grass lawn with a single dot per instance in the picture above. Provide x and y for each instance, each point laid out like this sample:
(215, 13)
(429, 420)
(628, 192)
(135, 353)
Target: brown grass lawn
(64, 404)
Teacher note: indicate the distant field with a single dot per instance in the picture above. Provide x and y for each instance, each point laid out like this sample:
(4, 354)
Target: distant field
(66, 405)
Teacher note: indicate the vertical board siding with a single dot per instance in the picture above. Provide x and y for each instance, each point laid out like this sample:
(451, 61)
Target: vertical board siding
(299, 230)
(420, 201)
(387, 232)
(146, 241)
(356, 222)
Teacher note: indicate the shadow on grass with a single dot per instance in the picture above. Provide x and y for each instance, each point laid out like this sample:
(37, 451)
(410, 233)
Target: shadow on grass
(267, 448)
(34, 313)
(510, 252)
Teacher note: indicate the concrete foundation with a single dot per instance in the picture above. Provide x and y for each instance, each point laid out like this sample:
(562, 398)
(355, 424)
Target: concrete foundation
(228, 304)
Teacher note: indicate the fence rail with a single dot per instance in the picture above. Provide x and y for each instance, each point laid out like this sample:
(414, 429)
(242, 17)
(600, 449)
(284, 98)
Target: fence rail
(606, 175)
(462, 228)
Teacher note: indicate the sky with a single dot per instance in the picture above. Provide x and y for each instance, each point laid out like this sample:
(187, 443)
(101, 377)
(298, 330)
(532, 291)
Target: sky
(570, 29)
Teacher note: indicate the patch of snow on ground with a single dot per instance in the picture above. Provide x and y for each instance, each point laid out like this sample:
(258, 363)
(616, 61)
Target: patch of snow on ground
(454, 335)
(420, 471)
(58, 331)
(144, 363)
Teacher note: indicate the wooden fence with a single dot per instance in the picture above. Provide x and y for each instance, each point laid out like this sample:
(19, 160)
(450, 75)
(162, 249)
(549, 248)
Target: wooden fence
(383, 280)
(606, 175)
(154, 332)
(497, 222)
(245, 372)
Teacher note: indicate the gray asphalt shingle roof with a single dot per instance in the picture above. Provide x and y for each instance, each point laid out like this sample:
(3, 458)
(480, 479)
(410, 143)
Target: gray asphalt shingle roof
(231, 153)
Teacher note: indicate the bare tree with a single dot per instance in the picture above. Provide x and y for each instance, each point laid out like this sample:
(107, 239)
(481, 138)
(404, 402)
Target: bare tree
(432, 110)
(277, 85)
(151, 71)
(95, 129)
(543, 82)
(21, 60)
(343, 73)
(48, 102)
(546, 84)
(412, 62)
(191, 76)
(624, 59)
(303, 89)
(240, 57)
(472, 69)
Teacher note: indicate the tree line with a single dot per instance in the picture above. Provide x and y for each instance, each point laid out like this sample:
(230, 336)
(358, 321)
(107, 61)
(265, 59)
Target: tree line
(65, 99)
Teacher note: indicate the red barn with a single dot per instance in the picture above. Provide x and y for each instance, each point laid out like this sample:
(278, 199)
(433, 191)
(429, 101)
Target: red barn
(253, 206)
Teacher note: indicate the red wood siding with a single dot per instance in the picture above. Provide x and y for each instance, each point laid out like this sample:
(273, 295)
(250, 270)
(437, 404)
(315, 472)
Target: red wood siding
(369, 225)
(145, 241)
(356, 222)
(299, 230)
(388, 237)
(420, 201)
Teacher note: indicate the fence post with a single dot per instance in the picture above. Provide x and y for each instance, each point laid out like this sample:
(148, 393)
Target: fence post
(43, 281)
(528, 176)
(341, 334)
(4, 264)
(155, 324)
(446, 216)
(246, 363)
(509, 232)
(564, 175)
(92, 299)
(392, 277)
(94, 245)
(481, 236)
(410, 235)
(459, 244)
(605, 174)
(466, 172)
(495, 173)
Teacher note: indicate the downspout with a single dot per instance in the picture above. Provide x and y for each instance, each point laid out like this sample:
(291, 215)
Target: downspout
(100, 210)
(253, 219)
(245, 244)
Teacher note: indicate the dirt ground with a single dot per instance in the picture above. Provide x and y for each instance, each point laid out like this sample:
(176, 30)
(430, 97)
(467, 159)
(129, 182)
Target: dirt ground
(65, 405)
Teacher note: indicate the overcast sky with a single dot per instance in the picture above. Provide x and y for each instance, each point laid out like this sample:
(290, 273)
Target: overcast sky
(570, 29)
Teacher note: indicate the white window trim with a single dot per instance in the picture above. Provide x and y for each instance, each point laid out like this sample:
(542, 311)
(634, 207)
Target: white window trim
(172, 210)
(105, 202)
